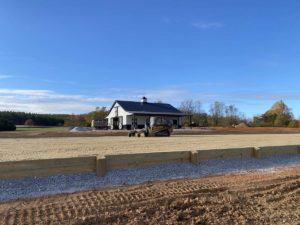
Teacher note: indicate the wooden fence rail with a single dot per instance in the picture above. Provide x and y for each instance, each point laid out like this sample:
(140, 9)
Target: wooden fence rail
(101, 164)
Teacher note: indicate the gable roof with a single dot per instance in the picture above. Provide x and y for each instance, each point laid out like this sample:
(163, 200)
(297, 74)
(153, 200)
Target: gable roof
(148, 108)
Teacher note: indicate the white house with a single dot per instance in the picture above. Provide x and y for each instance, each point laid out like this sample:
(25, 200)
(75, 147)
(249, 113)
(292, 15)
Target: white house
(129, 114)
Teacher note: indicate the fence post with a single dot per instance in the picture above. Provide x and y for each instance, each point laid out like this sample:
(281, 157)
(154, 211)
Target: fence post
(194, 157)
(257, 152)
(101, 166)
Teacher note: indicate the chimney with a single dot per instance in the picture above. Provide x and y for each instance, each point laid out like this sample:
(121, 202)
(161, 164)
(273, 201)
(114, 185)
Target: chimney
(144, 100)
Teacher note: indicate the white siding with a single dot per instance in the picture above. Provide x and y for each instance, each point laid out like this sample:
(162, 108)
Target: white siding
(121, 112)
(128, 117)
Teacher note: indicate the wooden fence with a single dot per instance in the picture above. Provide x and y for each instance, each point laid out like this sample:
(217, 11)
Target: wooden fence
(101, 164)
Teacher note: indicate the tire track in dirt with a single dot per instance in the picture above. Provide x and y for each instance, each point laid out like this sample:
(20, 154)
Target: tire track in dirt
(276, 183)
(83, 204)
(248, 198)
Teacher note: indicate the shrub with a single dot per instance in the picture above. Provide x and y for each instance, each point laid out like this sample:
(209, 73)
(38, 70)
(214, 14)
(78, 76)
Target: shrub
(294, 124)
(6, 125)
(29, 122)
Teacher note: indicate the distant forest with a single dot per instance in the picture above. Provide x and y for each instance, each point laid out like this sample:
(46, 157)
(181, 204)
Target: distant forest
(22, 118)
(34, 119)
(221, 115)
(279, 115)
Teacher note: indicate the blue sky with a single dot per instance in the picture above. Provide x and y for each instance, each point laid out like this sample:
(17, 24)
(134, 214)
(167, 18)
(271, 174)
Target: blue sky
(70, 56)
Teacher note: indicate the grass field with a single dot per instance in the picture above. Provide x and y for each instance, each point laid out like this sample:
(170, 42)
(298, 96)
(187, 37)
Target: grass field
(41, 129)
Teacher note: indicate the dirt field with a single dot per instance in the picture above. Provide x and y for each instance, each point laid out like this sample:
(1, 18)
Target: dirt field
(255, 198)
(39, 132)
(36, 148)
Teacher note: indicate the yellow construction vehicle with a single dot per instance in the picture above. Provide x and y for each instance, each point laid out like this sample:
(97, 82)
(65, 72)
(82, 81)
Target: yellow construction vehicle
(158, 127)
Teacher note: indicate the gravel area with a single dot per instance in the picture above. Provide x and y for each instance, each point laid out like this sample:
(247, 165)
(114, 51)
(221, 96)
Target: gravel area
(43, 148)
(43, 186)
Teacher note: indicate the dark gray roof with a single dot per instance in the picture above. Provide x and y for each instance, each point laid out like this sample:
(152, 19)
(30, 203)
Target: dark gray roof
(149, 108)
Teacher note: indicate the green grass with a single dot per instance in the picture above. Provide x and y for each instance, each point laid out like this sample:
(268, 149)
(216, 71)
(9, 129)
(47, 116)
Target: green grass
(41, 129)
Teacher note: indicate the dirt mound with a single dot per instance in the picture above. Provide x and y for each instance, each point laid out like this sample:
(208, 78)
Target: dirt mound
(242, 125)
(80, 129)
(255, 198)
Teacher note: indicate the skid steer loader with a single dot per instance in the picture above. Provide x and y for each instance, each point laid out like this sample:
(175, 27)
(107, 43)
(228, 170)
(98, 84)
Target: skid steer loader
(158, 127)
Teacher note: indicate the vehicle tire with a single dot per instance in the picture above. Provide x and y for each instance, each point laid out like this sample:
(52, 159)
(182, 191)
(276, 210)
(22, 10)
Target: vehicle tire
(139, 135)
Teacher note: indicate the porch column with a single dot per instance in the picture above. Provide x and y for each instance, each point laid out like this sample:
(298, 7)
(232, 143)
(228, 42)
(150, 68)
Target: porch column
(133, 121)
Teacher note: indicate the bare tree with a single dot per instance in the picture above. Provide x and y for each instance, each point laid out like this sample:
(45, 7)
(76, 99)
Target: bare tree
(195, 112)
(187, 106)
(190, 107)
(217, 112)
(232, 115)
(198, 107)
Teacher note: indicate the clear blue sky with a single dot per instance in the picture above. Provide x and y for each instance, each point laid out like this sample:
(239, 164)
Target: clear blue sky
(66, 56)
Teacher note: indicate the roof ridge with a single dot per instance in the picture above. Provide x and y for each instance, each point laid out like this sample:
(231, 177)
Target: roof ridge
(162, 103)
(151, 107)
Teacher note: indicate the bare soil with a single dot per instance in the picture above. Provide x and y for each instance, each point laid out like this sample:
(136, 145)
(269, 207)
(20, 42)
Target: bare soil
(254, 198)
(44, 148)
(42, 133)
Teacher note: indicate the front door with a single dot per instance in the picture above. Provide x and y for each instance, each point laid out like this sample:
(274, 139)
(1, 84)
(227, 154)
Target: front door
(175, 123)
(115, 124)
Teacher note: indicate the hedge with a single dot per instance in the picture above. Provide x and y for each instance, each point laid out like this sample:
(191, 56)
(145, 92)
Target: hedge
(6, 125)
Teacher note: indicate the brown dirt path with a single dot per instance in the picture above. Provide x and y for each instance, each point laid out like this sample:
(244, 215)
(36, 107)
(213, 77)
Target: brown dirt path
(253, 198)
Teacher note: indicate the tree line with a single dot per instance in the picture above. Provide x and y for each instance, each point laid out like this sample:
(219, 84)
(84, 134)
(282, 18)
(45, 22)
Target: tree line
(9, 119)
(22, 118)
(220, 114)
